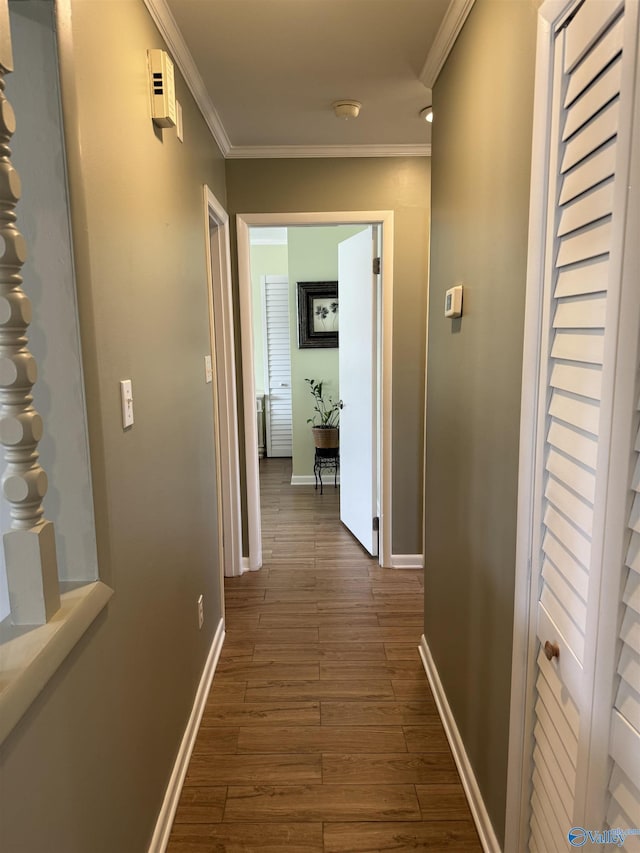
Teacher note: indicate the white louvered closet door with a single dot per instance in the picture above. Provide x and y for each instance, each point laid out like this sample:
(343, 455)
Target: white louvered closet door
(278, 413)
(577, 323)
(624, 786)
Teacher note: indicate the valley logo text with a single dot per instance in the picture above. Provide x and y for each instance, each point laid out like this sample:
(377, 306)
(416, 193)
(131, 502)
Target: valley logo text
(578, 836)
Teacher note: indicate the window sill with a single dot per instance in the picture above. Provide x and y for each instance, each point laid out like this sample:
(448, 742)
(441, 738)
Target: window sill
(29, 656)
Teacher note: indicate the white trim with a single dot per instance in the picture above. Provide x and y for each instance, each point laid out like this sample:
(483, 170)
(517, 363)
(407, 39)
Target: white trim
(271, 152)
(216, 223)
(310, 480)
(370, 217)
(524, 624)
(269, 237)
(620, 395)
(249, 396)
(29, 658)
(452, 23)
(303, 480)
(170, 32)
(407, 561)
(245, 565)
(479, 811)
(167, 813)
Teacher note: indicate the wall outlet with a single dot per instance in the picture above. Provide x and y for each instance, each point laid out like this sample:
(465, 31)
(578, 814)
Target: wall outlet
(200, 612)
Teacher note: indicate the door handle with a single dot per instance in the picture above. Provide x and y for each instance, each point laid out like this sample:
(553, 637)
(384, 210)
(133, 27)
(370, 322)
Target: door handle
(284, 384)
(551, 650)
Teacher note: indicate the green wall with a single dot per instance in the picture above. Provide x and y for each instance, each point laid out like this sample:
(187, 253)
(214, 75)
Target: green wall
(86, 769)
(480, 198)
(313, 256)
(393, 183)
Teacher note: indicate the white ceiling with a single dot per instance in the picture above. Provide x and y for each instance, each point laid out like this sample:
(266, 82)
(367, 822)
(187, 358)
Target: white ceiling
(269, 70)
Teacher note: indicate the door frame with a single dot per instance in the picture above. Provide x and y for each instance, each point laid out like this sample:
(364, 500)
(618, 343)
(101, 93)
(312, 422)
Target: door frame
(599, 658)
(220, 300)
(384, 219)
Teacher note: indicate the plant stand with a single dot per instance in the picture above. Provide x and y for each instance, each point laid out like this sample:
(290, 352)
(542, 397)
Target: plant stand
(326, 459)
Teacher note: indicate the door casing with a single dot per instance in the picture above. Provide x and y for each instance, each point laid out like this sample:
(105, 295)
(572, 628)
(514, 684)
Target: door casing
(218, 261)
(383, 218)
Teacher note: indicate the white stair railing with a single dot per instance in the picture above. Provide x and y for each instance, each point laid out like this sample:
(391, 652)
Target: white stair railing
(29, 547)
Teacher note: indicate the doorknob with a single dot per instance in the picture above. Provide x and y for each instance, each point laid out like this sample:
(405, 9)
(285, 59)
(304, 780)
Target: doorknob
(551, 650)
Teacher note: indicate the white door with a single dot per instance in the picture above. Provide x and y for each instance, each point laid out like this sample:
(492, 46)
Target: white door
(357, 294)
(587, 130)
(277, 365)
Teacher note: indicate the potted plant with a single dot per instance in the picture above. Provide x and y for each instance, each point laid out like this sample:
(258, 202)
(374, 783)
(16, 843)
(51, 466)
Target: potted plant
(326, 418)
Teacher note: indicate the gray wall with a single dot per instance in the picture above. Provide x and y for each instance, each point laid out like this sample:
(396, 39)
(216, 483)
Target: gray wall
(483, 103)
(87, 767)
(401, 185)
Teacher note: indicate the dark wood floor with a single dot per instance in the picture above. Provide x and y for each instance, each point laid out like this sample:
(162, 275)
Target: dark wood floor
(320, 732)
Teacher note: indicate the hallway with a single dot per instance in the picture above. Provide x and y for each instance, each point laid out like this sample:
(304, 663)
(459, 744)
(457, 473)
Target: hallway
(320, 732)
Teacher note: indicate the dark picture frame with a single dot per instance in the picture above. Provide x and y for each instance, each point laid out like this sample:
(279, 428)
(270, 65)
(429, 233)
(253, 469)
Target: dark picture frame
(318, 314)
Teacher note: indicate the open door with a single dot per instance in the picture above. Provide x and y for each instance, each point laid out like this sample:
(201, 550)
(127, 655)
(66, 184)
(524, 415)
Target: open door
(357, 292)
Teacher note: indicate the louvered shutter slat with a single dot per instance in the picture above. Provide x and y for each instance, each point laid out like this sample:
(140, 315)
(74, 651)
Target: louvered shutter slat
(598, 95)
(587, 208)
(602, 54)
(575, 411)
(571, 570)
(588, 277)
(579, 478)
(579, 345)
(581, 312)
(580, 446)
(587, 28)
(584, 380)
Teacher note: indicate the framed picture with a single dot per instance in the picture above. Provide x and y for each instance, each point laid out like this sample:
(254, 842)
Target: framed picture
(318, 315)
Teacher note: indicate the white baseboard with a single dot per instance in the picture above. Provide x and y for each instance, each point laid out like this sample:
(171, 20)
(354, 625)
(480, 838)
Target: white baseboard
(245, 565)
(407, 561)
(162, 831)
(310, 480)
(469, 783)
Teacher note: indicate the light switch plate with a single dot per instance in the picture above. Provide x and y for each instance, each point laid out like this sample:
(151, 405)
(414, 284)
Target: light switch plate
(208, 370)
(126, 396)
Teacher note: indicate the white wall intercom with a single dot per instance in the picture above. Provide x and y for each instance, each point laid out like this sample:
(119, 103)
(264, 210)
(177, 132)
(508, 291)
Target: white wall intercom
(163, 88)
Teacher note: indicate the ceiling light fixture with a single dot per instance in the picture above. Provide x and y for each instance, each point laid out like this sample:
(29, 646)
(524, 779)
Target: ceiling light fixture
(427, 113)
(346, 109)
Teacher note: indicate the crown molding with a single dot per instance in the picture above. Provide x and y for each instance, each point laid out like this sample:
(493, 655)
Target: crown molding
(170, 32)
(166, 24)
(266, 152)
(452, 23)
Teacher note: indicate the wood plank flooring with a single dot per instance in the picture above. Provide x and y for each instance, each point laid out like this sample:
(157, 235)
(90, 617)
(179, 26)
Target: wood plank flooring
(320, 733)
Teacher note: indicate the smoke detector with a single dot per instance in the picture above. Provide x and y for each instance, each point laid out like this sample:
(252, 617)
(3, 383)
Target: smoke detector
(346, 109)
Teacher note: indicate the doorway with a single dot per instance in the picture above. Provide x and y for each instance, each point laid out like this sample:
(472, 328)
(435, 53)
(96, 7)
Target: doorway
(222, 374)
(382, 453)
